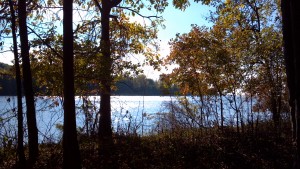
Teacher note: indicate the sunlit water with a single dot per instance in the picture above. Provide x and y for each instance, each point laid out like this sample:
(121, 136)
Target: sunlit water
(130, 114)
(137, 112)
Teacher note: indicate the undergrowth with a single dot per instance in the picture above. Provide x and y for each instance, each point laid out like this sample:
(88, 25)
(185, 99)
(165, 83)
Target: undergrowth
(180, 149)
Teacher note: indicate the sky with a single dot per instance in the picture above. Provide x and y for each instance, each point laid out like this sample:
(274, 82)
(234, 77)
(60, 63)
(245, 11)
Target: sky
(176, 21)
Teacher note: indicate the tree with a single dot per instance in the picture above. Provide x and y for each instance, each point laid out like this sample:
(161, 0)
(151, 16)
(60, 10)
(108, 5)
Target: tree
(203, 65)
(27, 79)
(289, 60)
(20, 148)
(100, 63)
(71, 154)
(291, 34)
(105, 130)
(94, 67)
(240, 51)
(254, 28)
(106, 64)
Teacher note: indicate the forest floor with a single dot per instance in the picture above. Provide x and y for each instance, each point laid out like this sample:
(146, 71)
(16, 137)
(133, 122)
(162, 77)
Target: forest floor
(180, 149)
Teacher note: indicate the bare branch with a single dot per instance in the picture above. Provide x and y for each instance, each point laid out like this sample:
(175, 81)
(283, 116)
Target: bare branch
(2, 10)
(134, 11)
(53, 7)
(5, 51)
(45, 43)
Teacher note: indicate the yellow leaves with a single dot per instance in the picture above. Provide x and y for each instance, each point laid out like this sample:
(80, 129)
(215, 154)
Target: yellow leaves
(181, 4)
(7, 31)
(227, 1)
(241, 6)
(50, 2)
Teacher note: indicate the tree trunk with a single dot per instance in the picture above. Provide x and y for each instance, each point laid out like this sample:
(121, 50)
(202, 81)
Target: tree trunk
(71, 154)
(237, 112)
(275, 111)
(291, 35)
(27, 79)
(20, 148)
(105, 129)
(289, 60)
(222, 109)
(251, 113)
(295, 8)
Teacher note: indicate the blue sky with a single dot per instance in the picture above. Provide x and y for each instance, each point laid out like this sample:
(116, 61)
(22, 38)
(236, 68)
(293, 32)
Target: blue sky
(176, 21)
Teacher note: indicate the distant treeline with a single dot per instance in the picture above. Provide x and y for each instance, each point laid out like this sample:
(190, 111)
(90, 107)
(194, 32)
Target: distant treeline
(142, 86)
(139, 85)
(7, 81)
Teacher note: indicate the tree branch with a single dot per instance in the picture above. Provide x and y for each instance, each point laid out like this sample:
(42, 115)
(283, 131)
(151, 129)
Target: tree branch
(134, 11)
(114, 3)
(98, 5)
(100, 8)
(45, 43)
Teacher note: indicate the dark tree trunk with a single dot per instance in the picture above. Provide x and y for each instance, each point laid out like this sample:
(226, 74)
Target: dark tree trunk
(71, 154)
(222, 109)
(251, 113)
(295, 8)
(291, 35)
(237, 111)
(275, 111)
(289, 60)
(105, 130)
(27, 79)
(20, 148)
